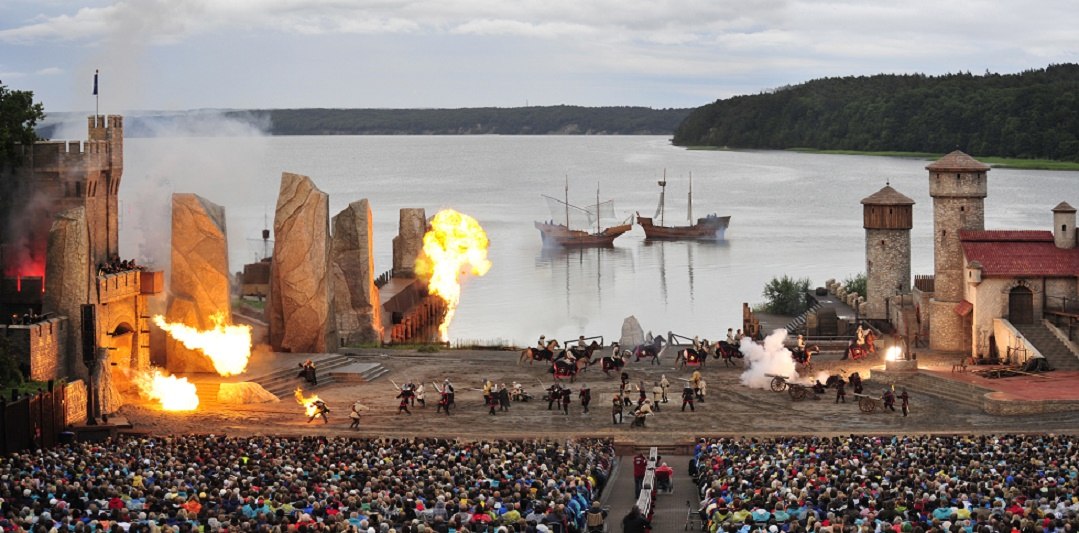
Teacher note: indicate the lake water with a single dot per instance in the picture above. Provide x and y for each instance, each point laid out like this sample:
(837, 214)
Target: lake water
(792, 213)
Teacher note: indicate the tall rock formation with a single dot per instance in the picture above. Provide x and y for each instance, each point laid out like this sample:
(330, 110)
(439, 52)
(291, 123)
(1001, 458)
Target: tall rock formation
(69, 276)
(352, 264)
(408, 243)
(300, 315)
(199, 282)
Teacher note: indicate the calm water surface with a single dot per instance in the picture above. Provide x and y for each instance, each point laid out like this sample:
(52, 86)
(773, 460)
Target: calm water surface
(795, 214)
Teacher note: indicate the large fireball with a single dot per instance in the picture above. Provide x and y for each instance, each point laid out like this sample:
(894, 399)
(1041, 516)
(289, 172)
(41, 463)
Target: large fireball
(455, 245)
(175, 394)
(228, 346)
(308, 403)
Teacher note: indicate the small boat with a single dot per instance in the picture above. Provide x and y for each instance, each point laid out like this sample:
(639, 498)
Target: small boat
(565, 236)
(709, 228)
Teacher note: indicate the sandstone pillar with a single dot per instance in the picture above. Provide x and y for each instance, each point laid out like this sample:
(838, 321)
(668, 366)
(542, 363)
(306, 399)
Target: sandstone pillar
(299, 312)
(199, 279)
(69, 275)
(352, 264)
(408, 243)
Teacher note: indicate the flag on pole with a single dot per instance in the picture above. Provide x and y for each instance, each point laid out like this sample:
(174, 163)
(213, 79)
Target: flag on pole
(95, 82)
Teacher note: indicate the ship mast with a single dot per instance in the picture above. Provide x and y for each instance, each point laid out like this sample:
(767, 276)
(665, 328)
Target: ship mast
(690, 215)
(660, 211)
(597, 207)
(567, 200)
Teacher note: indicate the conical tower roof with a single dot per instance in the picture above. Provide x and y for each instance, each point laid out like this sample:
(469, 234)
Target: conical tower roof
(957, 161)
(1063, 207)
(887, 196)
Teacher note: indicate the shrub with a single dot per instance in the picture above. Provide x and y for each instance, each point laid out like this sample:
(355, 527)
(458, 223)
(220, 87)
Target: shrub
(785, 296)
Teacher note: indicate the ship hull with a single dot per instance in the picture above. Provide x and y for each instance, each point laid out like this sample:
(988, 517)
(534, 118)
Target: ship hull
(561, 236)
(709, 228)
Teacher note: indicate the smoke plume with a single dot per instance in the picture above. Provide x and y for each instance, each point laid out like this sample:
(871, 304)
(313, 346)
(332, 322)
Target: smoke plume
(770, 358)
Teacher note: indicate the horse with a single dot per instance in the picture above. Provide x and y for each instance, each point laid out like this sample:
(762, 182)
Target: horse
(856, 351)
(586, 352)
(728, 352)
(805, 357)
(691, 357)
(532, 353)
(611, 362)
(564, 367)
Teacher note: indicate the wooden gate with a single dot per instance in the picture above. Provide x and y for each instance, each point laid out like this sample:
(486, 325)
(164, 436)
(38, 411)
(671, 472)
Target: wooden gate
(1021, 306)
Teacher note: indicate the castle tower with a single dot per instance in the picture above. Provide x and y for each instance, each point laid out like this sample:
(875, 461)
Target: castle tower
(958, 185)
(1064, 226)
(887, 217)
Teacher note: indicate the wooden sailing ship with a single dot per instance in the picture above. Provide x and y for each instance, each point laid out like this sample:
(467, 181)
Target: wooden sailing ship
(565, 236)
(709, 228)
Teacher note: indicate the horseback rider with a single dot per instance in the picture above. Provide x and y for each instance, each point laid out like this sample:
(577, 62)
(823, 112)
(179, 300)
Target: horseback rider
(860, 334)
(542, 342)
(730, 336)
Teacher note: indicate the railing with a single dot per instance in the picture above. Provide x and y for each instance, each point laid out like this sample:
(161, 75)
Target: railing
(925, 282)
(113, 287)
(646, 499)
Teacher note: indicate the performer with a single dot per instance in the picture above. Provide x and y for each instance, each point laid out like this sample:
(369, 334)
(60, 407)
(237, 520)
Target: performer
(856, 382)
(642, 412)
(405, 394)
(554, 393)
(443, 397)
(616, 409)
(860, 334)
(417, 392)
(354, 415)
(448, 387)
(567, 397)
(657, 394)
(542, 343)
(904, 399)
(491, 399)
(517, 392)
(889, 399)
(625, 378)
(738, 336)
(695, 379)
(320, 410)
(586, 396)
(642, 393)
(840, 390)
(665, 384)
(702, 390)
(503, 396)
(687, 397)
(730, 336)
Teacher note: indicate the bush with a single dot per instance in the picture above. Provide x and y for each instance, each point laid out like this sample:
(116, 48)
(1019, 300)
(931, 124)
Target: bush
(856, 284)
(785, 296)
(10, 374)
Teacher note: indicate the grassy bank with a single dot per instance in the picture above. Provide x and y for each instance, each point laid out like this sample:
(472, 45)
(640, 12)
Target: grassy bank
(996, 162)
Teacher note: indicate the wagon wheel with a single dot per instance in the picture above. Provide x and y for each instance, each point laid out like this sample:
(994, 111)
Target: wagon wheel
(779, 384)
(797, 392)
(867, 405)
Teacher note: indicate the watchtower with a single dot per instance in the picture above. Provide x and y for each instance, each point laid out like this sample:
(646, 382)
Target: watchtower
(958, 185)
(887, 216)
(1064, 226)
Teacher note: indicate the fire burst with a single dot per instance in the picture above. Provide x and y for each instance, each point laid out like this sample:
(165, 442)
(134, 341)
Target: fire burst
(893, 353)
(227, 346)
(175, 394)
(307, 403)
(454, 240)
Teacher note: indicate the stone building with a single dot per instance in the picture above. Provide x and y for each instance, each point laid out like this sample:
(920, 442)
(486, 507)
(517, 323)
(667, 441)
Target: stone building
(59, 212)
(887, 218)
(958, 185)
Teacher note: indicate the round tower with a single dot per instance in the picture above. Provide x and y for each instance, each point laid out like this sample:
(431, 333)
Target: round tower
(958, 185)
(1064, 226)
(887, 218)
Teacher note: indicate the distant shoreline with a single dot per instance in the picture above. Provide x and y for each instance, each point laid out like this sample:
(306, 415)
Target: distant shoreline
(995, 162)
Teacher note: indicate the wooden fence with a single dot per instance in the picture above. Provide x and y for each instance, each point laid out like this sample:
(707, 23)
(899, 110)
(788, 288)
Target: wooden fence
(35, 421)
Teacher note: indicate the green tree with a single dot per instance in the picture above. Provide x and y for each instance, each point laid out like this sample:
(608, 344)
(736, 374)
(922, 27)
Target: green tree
(786, 296)
(18, 117)
(10, 375)
(855, 283)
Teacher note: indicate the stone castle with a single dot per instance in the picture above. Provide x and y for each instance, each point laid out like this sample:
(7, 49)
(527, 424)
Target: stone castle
(991, 292)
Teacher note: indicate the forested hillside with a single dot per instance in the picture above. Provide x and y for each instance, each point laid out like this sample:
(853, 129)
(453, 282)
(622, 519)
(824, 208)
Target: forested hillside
(1034, 114)
(484, 120)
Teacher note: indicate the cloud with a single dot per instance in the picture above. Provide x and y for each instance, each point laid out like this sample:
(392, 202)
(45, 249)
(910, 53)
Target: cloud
(49, 71)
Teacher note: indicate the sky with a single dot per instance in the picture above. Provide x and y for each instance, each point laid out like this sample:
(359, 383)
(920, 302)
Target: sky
(229, 54)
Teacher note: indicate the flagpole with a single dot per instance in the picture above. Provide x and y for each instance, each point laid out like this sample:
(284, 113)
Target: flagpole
(97, 97)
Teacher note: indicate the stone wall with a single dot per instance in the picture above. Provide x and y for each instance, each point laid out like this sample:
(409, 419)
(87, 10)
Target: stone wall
(40, 347)
(300, 313)
(68, 275)
(408, 243)
(951, 215)
(75, 402)
(887, 265)
(356, 301)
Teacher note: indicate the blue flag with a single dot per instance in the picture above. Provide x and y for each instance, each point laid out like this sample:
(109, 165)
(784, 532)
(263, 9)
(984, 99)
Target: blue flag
(95, 83)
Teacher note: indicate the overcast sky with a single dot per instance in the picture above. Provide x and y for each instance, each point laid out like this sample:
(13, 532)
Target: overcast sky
(186, 54)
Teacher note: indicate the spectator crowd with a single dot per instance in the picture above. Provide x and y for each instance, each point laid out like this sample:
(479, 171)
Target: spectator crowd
(219, 483)
(903, 484)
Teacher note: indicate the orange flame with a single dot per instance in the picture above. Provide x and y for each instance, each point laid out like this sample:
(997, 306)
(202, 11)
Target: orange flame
(175, 394)
(307, 403)
(454, 240)
(893, 353)
(227, 346)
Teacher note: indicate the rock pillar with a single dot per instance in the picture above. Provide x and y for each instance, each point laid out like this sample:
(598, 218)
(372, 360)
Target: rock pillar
(408, 243)
(300, 314)
(199, 279)
(355, 297)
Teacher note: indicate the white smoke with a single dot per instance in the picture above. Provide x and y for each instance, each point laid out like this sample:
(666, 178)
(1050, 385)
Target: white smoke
(770, 358)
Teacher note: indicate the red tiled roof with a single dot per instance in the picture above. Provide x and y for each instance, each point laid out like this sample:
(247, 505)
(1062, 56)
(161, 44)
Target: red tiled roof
(963, 308)
(1009, 253)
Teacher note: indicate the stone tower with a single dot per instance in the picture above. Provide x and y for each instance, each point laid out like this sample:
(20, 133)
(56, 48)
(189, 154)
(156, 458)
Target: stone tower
(887, 218)
(958, 185)
(1064, 226)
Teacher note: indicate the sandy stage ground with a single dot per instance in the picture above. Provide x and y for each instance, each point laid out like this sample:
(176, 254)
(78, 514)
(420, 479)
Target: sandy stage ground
(730, 408)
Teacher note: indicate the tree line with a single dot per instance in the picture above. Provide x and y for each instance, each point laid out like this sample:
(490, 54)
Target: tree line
(1033, 114)
(544, 120)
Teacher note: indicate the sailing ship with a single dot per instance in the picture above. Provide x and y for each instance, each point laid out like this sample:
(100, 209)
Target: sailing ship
(563, 235)
(709, 228)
